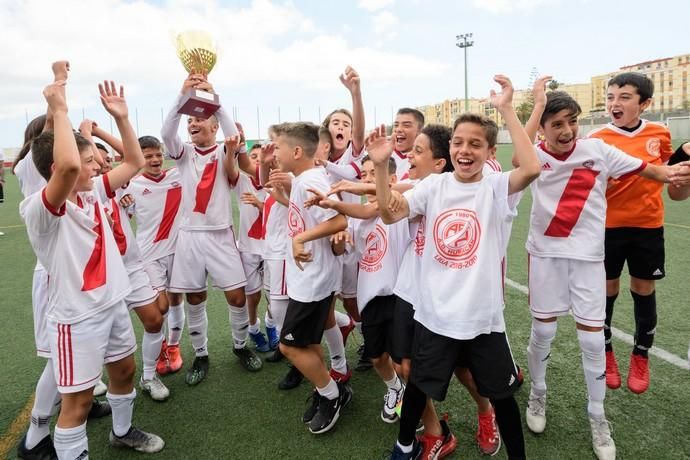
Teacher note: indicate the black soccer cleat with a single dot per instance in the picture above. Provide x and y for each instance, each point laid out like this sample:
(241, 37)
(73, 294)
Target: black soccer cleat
(44, 450)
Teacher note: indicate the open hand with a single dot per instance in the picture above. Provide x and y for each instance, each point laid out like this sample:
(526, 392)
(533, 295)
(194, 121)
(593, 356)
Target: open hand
(504, 99)
(232, 144)
(250, 198)
(113, 101)
(539, 89)
(378, 145)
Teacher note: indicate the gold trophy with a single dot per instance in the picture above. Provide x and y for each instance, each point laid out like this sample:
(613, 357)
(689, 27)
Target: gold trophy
(197, 52)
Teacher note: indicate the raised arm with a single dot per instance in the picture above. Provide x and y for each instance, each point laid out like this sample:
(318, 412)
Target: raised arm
(356, 210)
(380, 149)
(108, 138)
(350, 78)
(132, 157)
(86, 130)
(231, 146)
(327, 228)
(171, 124)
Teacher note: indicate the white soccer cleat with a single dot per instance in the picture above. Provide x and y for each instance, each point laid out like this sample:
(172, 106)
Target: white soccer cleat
(100, 389)
(602, 442)
(141, 441)
(155, 388)
(536, 413)
(390, 401)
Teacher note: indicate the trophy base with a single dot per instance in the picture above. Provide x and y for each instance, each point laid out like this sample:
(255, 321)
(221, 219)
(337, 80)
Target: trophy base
(200, 104)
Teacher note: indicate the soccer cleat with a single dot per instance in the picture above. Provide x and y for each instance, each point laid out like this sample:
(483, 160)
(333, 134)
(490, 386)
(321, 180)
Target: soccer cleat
(99, 409)
(44, 450)
(535, 416)
(141, 441)
(613, 376)
(602, 442)
(291, 380)
(339, 377)
(487, 436)
(273, 337)
(364, 364)
(100, 389)
(391, 399)
(276, 357)
(174, 358)
(435, 447)
(260, 342)
(248, 359)
(313, 407)
(155, 388)
(638, 374)
(198, 371)
(329, 410)
(163, 362)
(346, 330)
(398, 454)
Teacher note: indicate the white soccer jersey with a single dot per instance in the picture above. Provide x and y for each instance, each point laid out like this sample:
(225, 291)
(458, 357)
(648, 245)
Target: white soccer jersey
(123, 233)
(251, 233)
(275, 229)
(317, 281)
(206, 202)
(461, 290)
(411, 262)
(569, 199)
(402, 165)
(30, 180)
(157, 212)
(76, 245)
(380, 248)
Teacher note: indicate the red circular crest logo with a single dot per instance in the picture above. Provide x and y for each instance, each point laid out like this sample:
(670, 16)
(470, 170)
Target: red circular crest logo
(375, 246)
(457, 234)
(654, 147)
(295, 220)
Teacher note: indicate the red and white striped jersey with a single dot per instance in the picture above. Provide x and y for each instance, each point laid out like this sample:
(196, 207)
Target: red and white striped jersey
(402, 165)
(157, 212)
(123, 233)
(76, 246)
(569, 199)
(251, 232)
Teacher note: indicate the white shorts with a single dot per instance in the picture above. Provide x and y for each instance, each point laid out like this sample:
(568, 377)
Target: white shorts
(160, 271)
(39, 302)
(350, 273)
(560, 286)
(80, 350)
(203, 253)
(142, 291)
(274, 279)
(254, 271)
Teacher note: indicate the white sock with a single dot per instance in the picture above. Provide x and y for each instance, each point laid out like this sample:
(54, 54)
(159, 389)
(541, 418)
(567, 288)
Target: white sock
(46, 401)
(278, 310)
(341, 319)
(336, 349)
(122, 406)
(197, 322)
(175, 321)
(256, 327)
(71, 443)
(538, 352)
(150, 350)
(239, 322)
(594, 365)
(394, 384)
(330, 391)
(405, 449)
(268, 321)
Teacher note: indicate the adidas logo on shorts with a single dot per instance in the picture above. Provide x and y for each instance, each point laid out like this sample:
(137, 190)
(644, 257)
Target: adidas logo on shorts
(289, 337)
(512, 380)
(657, 272)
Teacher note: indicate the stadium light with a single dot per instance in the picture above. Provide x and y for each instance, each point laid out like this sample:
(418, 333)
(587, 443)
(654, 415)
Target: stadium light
(463, 42)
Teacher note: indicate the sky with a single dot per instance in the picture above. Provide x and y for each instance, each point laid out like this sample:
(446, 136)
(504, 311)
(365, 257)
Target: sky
(280, 60)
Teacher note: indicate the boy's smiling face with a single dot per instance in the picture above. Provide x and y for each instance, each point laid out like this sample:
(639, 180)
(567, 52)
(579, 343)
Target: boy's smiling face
(469, 150)
(560, 132)
(623, 105)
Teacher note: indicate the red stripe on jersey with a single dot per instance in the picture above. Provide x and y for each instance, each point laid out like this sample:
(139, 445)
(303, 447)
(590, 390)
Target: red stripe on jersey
(572, 202)
(94, 272)
(268, 204)
(357, 170)
(172, 204)
(118, 231)
(405, 176)
(283, 286)
(205, 186)
(109, 192)
(70, 360)
(256, 231)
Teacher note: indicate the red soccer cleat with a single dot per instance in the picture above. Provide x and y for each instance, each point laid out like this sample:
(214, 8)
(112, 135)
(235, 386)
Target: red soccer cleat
(613, 376)
(434, 447)
(638, 374)
(174, 358)
(162, 365)
(487, 437)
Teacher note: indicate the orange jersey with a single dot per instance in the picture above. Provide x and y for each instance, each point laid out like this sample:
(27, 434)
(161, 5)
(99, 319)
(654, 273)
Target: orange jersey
(636, 201)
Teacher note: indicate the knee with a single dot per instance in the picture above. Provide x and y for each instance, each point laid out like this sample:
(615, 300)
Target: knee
(591, 342)
(153, 323)
(543, 332)
(286, 350)
(123, 372)
(195, 298)
(236, 298)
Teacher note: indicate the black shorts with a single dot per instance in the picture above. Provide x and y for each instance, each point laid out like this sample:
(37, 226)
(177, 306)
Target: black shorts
(403, 330)
(642, 248)
(304, 322)
(377, 326)
(488, 357)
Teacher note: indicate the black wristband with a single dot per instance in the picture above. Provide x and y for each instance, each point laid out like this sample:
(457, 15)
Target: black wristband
(678, 156)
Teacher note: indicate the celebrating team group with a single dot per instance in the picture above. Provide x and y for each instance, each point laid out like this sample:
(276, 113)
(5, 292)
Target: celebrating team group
(410, 230)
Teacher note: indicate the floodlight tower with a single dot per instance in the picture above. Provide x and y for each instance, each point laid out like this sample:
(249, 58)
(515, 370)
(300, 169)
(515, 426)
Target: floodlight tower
(463, 42)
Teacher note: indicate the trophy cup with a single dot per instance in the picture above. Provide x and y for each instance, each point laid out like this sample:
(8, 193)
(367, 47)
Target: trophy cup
(197, 52)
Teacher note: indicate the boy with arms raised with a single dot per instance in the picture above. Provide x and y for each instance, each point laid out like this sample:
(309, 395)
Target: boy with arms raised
(459, 319)
(88, 321)
(310, 265)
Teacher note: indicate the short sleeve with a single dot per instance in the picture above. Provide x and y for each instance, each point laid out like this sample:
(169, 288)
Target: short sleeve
(621, 164)
(418, 196)
(40, 216)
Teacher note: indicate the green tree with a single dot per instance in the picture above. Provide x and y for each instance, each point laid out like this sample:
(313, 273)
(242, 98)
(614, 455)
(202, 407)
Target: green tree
(524, 110)
(554, 84)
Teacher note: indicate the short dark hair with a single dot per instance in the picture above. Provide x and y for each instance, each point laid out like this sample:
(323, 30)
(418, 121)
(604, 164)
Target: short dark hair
(392, 165)
(100, 146)
(327, 120)
(31, 132)
(325, 135)
(256, 145)
(557, 101)
(302, 134)
(42, 150)
(149, 142)
(642, 83)
(439, 138)
(418, 116)
(487, 124)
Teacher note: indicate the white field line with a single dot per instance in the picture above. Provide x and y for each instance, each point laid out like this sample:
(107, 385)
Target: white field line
(625, 337)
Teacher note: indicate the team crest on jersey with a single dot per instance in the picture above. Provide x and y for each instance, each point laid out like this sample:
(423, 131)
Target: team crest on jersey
(589, 164)
(375, 246)
(654, 147)
(420, 238)
(295, 220)
(456, 235)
